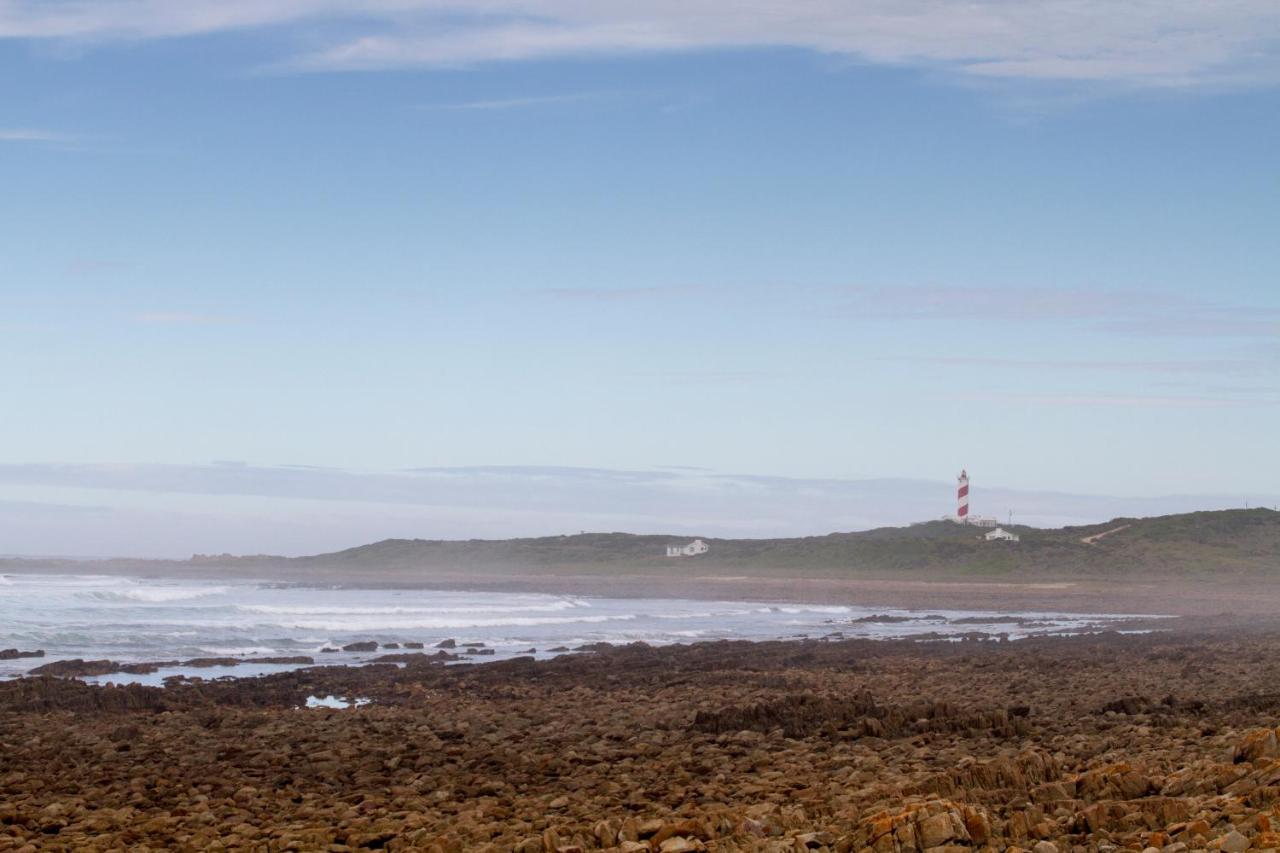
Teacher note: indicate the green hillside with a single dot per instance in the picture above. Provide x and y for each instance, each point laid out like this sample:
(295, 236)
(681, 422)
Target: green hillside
(1224, 543)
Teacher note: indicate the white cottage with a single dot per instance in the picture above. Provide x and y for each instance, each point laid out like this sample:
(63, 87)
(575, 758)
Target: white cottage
(1002, 535)
(693, 549)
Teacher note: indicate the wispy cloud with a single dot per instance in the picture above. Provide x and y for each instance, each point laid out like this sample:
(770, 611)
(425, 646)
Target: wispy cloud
(1146, 43)
(95, 266)
(521, 103)
(28, 134)
(1202, 321)
(1263, 392)
(1109, 312)
(613, 294)
(182, 318)
(708, 376)
(1174, 366)
(1143, 401)
(1130, 313)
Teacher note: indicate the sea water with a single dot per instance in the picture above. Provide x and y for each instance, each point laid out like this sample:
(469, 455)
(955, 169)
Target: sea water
(134, 620)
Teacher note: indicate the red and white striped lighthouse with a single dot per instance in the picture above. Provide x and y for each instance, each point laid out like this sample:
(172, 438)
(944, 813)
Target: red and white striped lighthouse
(962, 497)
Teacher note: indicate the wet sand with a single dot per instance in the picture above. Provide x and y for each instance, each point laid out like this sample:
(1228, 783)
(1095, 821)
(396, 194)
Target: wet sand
(1160, 597)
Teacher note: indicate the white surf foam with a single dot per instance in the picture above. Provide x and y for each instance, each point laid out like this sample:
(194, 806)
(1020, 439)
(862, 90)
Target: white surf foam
(399, 610)
(131, 619)
(157, 595)
(233, 651)
(427, 623)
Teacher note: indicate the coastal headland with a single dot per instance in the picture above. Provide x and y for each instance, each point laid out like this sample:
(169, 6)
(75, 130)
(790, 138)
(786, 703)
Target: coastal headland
(1204, 564)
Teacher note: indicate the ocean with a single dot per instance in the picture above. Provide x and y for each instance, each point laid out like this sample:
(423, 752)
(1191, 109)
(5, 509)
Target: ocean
(134, 620)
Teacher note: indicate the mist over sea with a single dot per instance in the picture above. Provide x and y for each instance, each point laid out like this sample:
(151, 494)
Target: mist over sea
(134, 620)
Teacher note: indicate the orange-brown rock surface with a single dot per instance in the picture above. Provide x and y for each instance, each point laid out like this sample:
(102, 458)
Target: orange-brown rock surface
(1164, 742)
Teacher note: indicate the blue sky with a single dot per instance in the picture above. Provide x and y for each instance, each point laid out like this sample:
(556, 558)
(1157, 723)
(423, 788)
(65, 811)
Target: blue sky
(811, 240)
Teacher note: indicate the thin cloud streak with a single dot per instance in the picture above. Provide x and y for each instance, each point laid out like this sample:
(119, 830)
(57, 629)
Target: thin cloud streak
(612, 294)
(87, 267)
(182, 318)
(520, 103)
(1116, 312)
(1212, 366)
(1115, 401)
(1119, 313)
(26, 134)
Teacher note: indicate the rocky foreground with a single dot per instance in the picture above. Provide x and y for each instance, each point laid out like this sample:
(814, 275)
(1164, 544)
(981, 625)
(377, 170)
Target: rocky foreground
(1164, 742)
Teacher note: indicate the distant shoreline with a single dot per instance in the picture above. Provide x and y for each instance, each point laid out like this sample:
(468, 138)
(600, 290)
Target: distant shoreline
(1223, 564)
(1258, 601)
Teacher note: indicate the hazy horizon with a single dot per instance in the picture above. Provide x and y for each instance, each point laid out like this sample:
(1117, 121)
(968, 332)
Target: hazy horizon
(175, 511)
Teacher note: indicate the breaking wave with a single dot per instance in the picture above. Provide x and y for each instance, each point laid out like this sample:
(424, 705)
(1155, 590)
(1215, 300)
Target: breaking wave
(155, 595)
(398, 610)
(443, 623)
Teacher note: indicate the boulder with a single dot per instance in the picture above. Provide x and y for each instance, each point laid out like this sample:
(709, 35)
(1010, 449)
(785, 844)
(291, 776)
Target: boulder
(77, 668)
(1233, 842)
(1257, 745)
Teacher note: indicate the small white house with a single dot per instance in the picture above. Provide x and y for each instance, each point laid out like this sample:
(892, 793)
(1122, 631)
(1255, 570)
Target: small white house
(693, 549)
(1003, 535)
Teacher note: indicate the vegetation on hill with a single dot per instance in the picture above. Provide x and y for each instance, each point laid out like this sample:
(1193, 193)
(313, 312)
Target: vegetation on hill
(1201, 544)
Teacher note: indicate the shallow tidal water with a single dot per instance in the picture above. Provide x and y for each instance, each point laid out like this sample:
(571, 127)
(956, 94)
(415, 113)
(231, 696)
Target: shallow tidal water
(132, 620)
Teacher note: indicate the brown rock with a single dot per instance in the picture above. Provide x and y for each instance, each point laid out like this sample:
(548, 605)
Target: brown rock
(1258, 745)
(679, 844)
(936, 830)
(1233, 842)
(15, 654)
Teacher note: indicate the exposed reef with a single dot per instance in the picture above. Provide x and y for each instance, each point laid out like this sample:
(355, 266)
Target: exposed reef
(1107, 742)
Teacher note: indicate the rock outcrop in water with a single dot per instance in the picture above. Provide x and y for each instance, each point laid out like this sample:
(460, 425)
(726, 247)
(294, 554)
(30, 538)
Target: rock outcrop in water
(77, 668)
(1070, 745)
(16, 654)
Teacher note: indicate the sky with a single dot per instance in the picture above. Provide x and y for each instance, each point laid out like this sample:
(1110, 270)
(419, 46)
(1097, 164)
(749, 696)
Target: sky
(801, 243)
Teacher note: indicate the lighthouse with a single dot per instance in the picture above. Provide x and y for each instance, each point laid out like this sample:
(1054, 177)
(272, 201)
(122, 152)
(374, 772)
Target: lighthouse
(962, 515)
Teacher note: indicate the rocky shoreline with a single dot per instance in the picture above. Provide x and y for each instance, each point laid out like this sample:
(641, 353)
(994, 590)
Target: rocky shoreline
(81, 668)
(1102, 742)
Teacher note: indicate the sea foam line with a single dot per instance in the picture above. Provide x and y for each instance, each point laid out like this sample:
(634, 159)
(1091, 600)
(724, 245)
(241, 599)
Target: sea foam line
(395, 610)
(382, 625)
